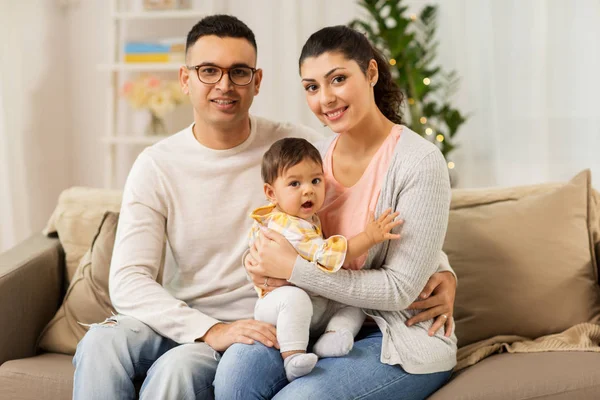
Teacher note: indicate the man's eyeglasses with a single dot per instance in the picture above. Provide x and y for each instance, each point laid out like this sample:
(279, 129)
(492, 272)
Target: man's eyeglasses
(211, 74)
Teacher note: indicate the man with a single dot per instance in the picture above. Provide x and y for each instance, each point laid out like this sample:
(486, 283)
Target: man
(194, 189)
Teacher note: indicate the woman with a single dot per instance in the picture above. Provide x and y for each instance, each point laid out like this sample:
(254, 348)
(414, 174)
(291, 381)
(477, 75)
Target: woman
(372, 164)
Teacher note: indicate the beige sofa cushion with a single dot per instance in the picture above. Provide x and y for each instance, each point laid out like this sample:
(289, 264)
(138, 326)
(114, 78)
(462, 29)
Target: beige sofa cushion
(47, 376)
(524, 259)
(87, 300)
(76, 219)
(556, 376)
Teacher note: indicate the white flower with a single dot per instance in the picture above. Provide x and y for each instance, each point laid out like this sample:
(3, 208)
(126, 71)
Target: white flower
(157, 95)
(161, 103)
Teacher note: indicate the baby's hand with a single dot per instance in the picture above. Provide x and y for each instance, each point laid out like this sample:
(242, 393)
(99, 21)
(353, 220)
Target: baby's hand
(379, 229)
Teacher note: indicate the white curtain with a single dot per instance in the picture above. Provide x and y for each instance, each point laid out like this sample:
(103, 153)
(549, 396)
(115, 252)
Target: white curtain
(34, 133)
(14, 217)
(531, 81)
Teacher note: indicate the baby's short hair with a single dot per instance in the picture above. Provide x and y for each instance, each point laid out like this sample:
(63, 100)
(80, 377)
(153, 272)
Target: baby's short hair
(284, 154)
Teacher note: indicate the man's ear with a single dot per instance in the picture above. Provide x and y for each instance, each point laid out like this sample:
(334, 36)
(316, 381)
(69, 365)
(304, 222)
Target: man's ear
(257, 80)
(270, 193)
(184, 80)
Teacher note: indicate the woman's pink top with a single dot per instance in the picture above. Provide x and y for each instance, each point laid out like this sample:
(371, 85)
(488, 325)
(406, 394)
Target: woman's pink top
(346, 210)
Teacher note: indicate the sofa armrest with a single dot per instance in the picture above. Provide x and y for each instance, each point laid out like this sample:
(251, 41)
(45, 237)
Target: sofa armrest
(31, 283)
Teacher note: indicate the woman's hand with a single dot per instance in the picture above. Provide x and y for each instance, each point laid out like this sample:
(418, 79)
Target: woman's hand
(271, 256)
(436, 302)
(266, 283)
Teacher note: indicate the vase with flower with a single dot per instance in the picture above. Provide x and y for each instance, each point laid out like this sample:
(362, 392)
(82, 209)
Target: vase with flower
(158, 96)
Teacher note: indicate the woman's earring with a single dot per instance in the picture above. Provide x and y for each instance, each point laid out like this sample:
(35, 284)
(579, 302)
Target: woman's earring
(373, 84)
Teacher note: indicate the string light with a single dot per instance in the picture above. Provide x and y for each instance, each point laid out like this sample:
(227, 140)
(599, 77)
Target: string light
(429, 131)
(423, 120)
(411, 101)
(426, 81)
(439, 138)
(451, 165)
(392, 61)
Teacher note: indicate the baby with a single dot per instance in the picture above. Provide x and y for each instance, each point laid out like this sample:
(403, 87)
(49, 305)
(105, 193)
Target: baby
(292, 171)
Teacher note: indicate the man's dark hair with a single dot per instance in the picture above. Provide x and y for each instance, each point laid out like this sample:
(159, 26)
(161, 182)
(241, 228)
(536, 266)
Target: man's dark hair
(284, 154)
(220, 25)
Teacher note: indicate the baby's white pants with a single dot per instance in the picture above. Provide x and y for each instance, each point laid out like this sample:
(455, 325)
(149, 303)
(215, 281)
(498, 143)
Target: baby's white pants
(298, 315)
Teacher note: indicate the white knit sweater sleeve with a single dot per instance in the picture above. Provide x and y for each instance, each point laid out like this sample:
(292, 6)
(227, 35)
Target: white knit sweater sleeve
(136, 261)
(400, 268)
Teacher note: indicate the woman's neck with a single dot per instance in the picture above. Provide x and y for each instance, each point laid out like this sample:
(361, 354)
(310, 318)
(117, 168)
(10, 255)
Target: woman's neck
(367, 136)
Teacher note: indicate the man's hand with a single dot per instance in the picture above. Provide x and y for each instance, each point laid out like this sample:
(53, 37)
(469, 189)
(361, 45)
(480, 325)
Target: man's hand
(378, 230)
(436, 302)
(247, 331)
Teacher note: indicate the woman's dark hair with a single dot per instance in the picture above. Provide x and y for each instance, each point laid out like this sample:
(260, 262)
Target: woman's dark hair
(284, 154)
(353, 45)
(220, 25)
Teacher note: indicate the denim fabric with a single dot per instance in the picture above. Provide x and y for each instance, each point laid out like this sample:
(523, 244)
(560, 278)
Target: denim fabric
(122, 349)
(256, 372)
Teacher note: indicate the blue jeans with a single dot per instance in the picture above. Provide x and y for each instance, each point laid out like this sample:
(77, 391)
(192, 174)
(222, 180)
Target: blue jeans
(256, 372)
(114, 354)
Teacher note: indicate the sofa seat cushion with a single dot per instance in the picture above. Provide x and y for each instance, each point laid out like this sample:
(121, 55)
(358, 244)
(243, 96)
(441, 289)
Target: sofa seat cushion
(47, 376)
(556, 376)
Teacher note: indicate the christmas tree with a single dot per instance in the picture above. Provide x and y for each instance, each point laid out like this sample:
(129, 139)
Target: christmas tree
(408, 42)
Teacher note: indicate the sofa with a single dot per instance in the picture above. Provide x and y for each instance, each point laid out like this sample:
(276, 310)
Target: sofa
(526, 312)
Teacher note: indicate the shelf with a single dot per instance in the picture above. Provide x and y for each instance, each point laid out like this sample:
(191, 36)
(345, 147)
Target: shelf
(140, 67)
(124, 23)
(133, 140)
(167, 14)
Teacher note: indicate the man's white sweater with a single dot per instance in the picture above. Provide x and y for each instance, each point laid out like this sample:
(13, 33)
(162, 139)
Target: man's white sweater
(199, 199)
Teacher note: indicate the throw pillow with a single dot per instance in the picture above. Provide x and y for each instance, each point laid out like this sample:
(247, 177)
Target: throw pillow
(524, 258)
(87, 300)
(76, 219)
(595, 226)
